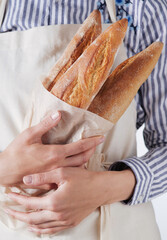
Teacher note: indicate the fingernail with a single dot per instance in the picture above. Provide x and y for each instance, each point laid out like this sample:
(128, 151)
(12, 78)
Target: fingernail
(27, 179)
(55, 116)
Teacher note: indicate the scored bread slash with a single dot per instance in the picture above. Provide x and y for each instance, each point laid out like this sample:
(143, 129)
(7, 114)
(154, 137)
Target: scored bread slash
(80, 83)
(122, 85)
(86, 34)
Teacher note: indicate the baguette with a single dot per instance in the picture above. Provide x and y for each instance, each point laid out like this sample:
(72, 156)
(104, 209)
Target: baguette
(86, 34)
(82, 81)
(123, 83)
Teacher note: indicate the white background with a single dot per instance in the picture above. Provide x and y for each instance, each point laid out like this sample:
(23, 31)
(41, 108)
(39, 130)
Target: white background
(160, 203)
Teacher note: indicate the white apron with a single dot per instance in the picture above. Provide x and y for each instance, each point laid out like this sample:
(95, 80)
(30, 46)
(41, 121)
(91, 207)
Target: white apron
(25, 56)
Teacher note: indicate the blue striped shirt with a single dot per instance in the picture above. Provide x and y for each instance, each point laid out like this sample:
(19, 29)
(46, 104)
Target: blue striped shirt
(147, 23)
(22, 15)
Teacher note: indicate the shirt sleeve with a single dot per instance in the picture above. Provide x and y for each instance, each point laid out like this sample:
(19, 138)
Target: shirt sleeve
(151, 169)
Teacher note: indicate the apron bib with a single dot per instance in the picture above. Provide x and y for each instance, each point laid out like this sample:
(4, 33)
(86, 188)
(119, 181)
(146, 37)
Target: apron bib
(25, 56)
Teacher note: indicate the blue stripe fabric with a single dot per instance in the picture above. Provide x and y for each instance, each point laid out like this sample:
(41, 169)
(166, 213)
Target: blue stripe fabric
(34, 13)
(147, 23)
(151, 22)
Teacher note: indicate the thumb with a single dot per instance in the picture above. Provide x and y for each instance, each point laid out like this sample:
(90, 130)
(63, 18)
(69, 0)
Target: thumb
(41, 178)
(46, 124)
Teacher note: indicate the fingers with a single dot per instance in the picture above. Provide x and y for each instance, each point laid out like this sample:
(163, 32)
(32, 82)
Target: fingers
(41, 222)
(70, 155)
(48, 230)
(41, 178)
(59, 153)
(30, 202)
(35, 133)
(51, 224)
(45, 187)
(39, 218)
(55, 175)
(82, 145)
(80, 159)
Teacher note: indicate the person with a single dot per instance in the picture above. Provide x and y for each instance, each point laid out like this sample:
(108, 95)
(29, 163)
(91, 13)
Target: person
(138, 180)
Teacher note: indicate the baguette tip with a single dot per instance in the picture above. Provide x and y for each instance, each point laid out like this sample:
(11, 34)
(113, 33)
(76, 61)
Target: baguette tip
(155, 48)
(95, 14)
(96, 11)
(158, 44)
(123, 24)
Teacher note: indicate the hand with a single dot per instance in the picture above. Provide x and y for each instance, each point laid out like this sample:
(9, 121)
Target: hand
(64, 208)
(27, 154)
(79, 193)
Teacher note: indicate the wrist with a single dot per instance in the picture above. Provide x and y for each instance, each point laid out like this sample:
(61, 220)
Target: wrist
(7, 171)
(2, 168)
(115, 186)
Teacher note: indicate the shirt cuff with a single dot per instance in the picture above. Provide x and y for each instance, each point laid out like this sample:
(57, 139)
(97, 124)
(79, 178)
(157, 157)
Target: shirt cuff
(144, 178)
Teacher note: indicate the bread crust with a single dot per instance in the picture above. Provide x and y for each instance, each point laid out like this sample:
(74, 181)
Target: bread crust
(123, 83)
(82, 81)
(86, 34)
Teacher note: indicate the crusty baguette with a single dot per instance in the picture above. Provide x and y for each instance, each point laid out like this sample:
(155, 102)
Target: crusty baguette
(123, 83)
(86, 34)
(83, 80)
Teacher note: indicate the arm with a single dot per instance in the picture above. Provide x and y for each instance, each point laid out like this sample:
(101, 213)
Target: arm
(79, 193)
(151, 169)
(27, 154)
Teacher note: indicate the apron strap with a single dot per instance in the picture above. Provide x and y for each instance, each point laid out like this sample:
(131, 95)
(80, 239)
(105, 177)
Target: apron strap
(3, 4)
(111, 9)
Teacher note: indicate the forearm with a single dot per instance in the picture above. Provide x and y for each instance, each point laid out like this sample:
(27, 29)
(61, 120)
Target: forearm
(8, 170)
(150, 173)
(115, 186)
(2, 168)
